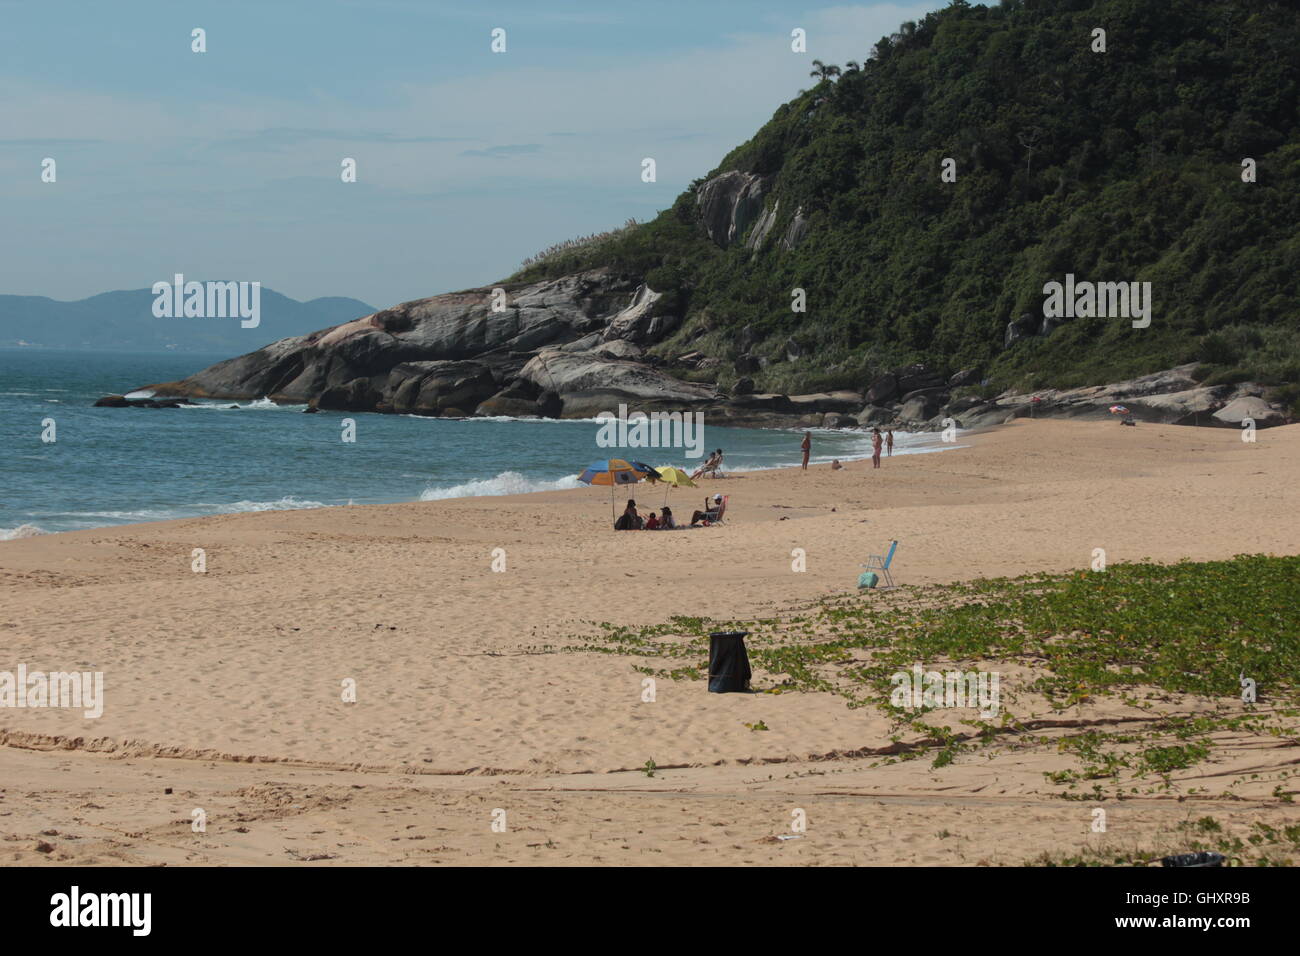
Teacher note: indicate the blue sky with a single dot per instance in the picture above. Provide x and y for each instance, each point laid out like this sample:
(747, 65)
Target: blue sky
(226, 163)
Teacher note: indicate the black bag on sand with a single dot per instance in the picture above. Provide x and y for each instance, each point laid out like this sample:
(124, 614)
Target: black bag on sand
(729, 671)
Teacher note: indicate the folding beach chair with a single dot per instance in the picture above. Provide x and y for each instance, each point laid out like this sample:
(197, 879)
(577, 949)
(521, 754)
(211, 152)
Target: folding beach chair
(713, 470)
(722, 510)
(876, 563)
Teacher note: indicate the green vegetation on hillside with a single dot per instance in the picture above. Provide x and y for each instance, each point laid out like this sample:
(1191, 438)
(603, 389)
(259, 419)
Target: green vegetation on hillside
(1115, 166)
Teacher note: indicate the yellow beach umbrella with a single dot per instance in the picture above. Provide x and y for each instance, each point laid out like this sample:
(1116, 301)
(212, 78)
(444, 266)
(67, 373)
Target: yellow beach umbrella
(674, 477)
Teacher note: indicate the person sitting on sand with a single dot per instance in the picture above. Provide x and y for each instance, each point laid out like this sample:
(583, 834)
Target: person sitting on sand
(835, 465)
(629, 520)
(712, 506)
(651, 523)
(666, 522)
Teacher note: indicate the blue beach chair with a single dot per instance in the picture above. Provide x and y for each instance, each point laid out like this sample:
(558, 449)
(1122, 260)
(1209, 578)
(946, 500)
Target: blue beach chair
(876, 563)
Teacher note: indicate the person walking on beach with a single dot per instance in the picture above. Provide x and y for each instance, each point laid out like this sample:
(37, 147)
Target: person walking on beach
(875, 447)
(889, 442)
(807, 447)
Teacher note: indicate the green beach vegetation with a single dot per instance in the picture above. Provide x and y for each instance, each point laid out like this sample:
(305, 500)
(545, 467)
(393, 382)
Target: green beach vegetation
(1167, 644)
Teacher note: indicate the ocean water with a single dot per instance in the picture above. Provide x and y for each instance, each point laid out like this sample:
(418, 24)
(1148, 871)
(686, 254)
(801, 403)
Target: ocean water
(112, 466)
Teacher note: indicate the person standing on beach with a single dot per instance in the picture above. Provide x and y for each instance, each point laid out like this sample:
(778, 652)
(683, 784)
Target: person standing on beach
(875, 447)
(889, 442)
(807, 447)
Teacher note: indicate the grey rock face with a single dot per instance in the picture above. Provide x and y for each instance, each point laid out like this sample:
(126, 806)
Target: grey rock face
(729, 204)
(764, 225)
(841, 402)
(635, 323)
(458, 326)
(588, 383)
(1256, 409)
(516, 400)
(1026, 324)
(922, 406)
(915, 377)
(795, 231)
(1171, 396)
(431, 388)
(876, 415)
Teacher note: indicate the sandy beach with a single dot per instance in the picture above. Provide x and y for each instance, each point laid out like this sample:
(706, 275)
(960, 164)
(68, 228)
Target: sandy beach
(224, 689)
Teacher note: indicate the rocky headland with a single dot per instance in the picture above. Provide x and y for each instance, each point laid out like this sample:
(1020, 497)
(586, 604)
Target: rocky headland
(576, 346)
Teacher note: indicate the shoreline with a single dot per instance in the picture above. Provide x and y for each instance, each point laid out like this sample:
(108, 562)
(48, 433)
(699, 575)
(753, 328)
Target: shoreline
(40, 532)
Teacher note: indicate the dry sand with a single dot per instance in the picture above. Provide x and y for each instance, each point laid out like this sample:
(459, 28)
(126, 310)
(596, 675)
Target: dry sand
(226, 686)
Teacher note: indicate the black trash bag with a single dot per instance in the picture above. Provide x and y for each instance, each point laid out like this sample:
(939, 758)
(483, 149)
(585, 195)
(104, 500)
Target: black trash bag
(729, 671)
(1204, 858)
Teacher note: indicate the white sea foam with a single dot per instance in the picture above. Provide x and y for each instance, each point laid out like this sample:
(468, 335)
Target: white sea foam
(507, 418)
(506, 483)
(287, 503)
(258, 404)
(22, 531)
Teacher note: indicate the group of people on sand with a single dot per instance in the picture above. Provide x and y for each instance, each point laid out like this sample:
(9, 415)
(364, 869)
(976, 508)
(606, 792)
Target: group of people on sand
(877, 440)
(631, 520)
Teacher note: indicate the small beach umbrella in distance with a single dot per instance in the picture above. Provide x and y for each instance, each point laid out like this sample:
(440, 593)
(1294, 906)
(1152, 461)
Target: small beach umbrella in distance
(674, 477)
(651, 474)
(612, 471)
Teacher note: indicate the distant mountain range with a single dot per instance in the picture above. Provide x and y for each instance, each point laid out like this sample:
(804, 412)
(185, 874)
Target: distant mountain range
(124, 321)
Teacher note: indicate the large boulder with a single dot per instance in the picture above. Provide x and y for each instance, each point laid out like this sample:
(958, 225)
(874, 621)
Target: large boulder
(516, 400)
(883, 389)
(636, 323)
(937, 392)
(619, 349)
(921, 406)
(876, 415)
(433, 388)
(915, 377)
(842, 402)
(357, 395)
(765, 401)
(1184, 407)
(457, 326)
(1256, 409)
(588, 384)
